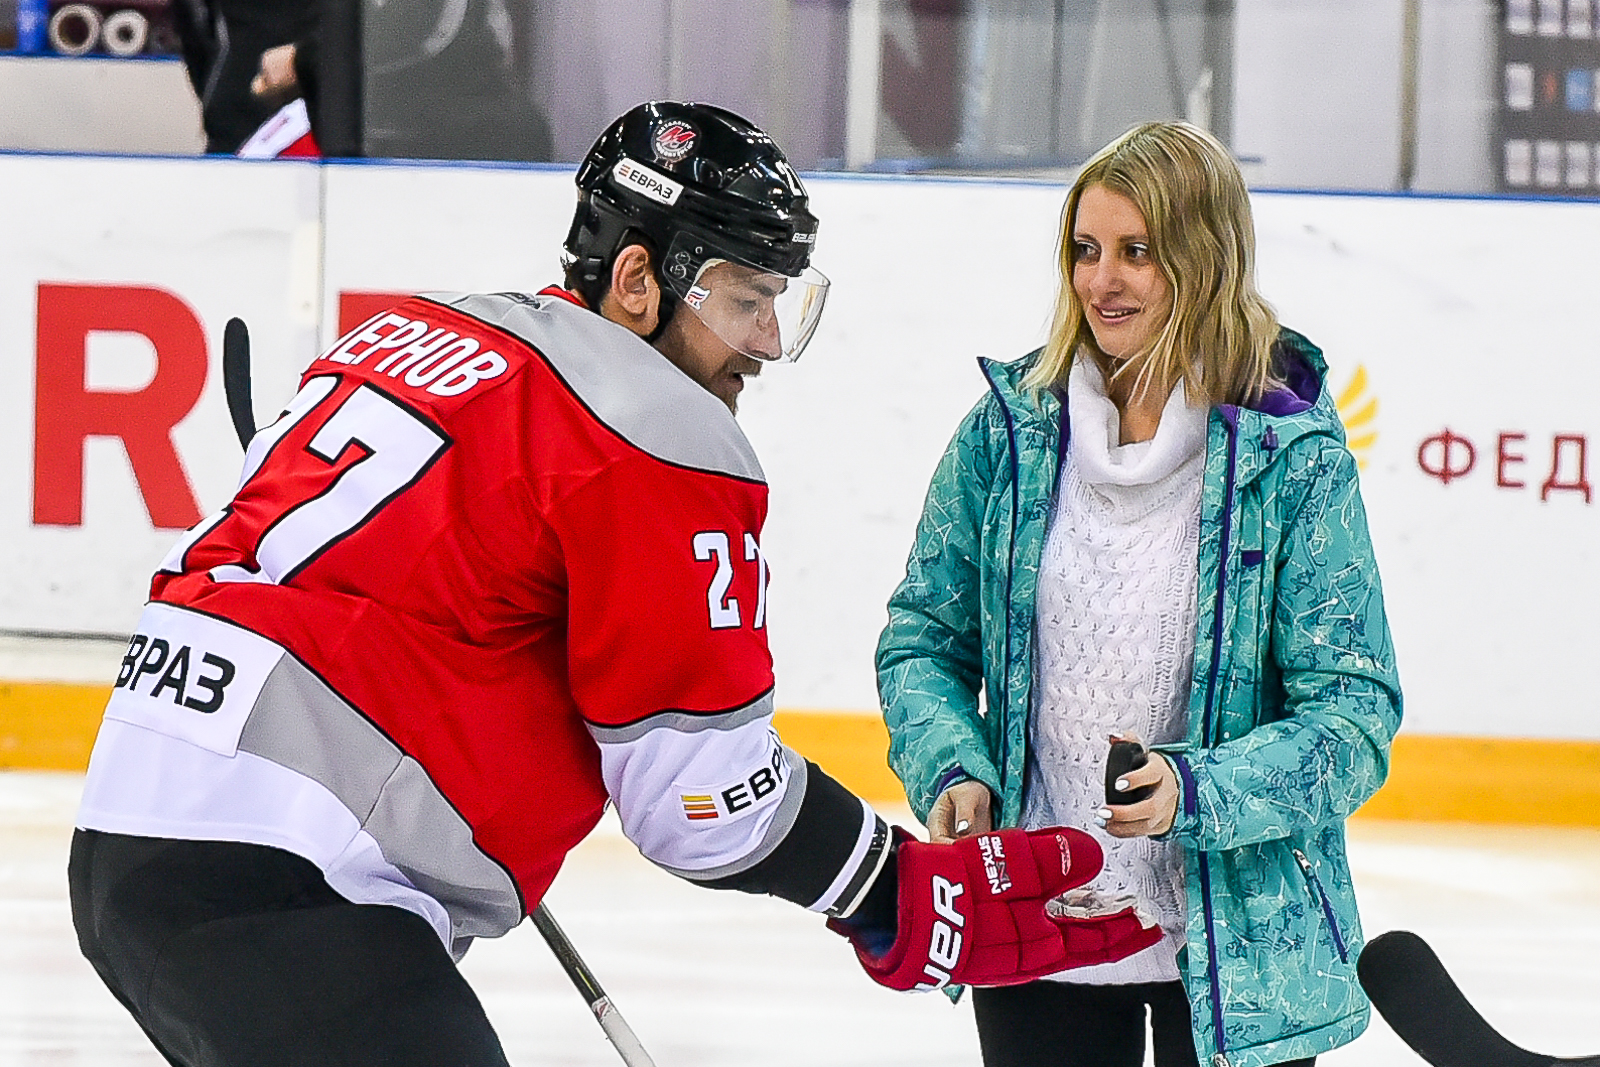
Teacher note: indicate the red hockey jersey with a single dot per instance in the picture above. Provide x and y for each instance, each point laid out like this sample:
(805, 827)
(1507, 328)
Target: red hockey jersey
(497, 560)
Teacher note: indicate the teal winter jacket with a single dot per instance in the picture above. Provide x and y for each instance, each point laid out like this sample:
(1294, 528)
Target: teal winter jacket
(1292, 706)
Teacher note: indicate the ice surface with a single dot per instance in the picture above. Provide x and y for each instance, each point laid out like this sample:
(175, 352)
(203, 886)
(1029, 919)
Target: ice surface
(722, 979)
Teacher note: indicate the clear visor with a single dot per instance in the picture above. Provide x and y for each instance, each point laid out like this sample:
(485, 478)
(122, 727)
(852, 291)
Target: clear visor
(767, 316)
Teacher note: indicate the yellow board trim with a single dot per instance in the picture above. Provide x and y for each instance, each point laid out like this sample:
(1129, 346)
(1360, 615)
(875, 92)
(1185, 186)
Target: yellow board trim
(851, 746)
(1490, 780)
(1431, 778)
(46, 726)
(49, 726)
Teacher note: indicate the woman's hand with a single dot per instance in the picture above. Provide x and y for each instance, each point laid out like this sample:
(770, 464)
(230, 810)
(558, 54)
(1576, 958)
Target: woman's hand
(961, 811)
(1154, 814)
(276, 76)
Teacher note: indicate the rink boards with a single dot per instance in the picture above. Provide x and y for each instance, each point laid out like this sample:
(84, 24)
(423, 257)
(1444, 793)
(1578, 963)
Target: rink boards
(1458, 331)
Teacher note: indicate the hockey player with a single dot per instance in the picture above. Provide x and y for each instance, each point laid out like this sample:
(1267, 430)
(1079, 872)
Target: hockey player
(497, 562)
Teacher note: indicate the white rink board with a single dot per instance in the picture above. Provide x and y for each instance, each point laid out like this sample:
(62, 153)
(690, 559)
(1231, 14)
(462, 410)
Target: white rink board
(1479, 317)
(223, 240)
(1460, 312)
(443, 229)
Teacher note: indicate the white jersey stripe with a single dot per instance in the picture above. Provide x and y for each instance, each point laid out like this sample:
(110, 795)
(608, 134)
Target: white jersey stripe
(282, 760)
(848, 873)
(705, 797)
(166, 787)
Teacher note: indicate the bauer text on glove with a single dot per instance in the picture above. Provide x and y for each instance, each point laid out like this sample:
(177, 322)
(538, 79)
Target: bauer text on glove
(974, 912)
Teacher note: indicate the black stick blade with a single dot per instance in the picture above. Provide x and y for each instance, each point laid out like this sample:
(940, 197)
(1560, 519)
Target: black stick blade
(236, 379)
(1420, 1002)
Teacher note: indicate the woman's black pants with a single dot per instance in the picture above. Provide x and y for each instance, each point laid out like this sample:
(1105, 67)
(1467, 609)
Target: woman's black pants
(1063, 1024)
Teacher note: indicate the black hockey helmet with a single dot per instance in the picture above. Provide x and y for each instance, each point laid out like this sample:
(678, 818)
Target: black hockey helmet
(705, 188)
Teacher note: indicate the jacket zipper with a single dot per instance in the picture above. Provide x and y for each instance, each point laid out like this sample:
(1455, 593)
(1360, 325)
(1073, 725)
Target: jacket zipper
(1220, 1059)
(1011, 552)
(1314, 885)
(1222, 572)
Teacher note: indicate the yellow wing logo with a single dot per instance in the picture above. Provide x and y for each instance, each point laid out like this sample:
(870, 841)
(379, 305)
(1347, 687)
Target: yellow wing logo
(1358, 409)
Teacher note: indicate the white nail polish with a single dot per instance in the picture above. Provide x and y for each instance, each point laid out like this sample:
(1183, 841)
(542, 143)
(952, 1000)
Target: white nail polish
(1103, 814)
(963, 826)
(1122, 785)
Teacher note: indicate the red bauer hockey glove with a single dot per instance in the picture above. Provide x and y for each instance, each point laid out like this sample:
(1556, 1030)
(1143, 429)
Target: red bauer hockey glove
(1101, 930)
(974, 912)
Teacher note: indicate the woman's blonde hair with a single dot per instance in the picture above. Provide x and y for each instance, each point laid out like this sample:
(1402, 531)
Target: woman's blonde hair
(1219, 337)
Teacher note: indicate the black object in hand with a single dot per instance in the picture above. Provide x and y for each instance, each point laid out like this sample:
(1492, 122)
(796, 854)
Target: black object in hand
(1125, 756)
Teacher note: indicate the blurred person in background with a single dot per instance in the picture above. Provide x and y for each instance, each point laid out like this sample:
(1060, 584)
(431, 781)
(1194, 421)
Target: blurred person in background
(222, 42)
(412, 79)
(1151, 529)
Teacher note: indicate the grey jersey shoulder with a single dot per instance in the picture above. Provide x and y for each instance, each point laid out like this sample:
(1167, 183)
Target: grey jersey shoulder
(629, 387)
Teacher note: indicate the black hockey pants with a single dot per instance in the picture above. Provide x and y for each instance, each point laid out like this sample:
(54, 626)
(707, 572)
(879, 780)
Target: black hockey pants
(236, 955)
(1062, 1024)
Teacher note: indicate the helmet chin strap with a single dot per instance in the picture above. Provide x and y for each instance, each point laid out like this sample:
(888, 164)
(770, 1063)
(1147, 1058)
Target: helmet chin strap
(668, 304)
(667, 309)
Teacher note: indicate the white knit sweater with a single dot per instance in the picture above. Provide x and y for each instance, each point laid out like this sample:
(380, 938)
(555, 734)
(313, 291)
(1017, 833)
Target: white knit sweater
(1115, 640)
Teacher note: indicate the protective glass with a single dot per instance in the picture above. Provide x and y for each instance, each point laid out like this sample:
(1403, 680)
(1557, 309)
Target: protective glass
(764, 315)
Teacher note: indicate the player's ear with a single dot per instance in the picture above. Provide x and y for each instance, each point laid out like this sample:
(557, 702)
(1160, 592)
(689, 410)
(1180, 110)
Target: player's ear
(635, 290)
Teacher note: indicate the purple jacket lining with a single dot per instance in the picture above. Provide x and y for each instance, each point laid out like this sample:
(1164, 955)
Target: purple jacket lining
(949, 778)
(1299, 391)
(1187, 774)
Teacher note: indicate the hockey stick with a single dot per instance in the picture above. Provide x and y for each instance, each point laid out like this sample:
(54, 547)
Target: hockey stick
(236, 387)
(236, 379)
(610, 1019)
(1422, 1003)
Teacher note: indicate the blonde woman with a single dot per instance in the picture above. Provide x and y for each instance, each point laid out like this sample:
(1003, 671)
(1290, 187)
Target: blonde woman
(1152, 528)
